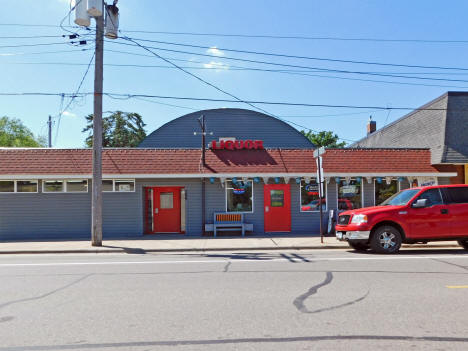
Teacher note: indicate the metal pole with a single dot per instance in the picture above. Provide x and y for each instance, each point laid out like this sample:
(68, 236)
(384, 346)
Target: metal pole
(320, 197)
(50, 130)
(96, 203)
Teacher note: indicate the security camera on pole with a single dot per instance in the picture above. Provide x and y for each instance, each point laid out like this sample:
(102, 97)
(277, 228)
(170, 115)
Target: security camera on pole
(320, 180)
(84, 10)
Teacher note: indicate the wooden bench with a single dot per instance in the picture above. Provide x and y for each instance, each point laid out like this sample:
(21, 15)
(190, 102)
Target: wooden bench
(228, 221)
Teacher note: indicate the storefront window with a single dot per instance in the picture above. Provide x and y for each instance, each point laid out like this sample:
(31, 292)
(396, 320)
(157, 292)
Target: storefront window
(310, 196)
(239, 196)
(107, 185)
(349, 195)
(124, 185)
(383, 190)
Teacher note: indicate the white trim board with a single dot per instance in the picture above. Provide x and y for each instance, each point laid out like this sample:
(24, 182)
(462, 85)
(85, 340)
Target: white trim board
(221, 175)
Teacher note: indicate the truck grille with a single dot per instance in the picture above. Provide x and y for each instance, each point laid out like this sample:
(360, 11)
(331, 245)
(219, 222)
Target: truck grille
(344, 219)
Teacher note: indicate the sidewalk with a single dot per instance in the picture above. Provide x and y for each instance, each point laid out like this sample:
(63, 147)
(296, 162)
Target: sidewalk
(177, 244)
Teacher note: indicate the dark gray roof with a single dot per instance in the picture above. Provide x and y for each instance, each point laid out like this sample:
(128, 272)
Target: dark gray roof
(441, 125)
(226, 122)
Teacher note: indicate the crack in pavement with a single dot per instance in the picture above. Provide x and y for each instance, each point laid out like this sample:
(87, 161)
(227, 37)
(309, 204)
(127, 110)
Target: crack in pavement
(220, 341)
(450, 263)
(299, 301)
(5, 304)
(226, 268)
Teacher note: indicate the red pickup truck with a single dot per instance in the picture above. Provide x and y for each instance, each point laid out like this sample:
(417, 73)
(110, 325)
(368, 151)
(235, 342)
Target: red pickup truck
(422, 214)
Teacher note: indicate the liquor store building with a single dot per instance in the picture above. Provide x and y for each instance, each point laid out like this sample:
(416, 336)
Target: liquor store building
(252, 164)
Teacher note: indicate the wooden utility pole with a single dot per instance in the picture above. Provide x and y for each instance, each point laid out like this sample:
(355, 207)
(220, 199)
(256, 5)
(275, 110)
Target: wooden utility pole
(96, 203)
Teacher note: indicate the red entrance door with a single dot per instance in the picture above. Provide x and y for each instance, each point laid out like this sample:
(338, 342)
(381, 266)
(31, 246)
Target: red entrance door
(163, 212)
(277, 207)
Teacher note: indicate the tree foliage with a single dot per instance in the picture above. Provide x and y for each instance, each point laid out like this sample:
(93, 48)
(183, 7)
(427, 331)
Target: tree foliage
(323, 138)
(13, 133)
(120, 129)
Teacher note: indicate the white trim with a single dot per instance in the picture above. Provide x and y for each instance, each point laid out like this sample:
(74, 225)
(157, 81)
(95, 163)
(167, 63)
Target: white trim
(300, 198)
(222, 175)
(225, 198)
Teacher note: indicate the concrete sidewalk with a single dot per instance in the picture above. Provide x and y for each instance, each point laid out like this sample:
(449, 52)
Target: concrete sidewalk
(177, 244)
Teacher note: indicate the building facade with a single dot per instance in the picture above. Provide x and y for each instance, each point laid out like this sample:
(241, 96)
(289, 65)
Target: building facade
(252, 164)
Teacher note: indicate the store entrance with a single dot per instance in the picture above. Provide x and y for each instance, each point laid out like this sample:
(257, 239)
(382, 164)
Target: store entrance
(163, 210)
(277, 207)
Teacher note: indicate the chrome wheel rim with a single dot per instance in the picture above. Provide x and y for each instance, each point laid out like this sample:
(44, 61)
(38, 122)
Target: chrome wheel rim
(387, 240)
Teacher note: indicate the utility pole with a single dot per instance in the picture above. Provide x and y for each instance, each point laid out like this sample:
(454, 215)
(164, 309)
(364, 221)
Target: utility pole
(202, 123)
(50, 130)
(96, 202)
(320, 179)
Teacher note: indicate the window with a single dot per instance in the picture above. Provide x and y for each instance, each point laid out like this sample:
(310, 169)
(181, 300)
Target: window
(118, 185)
(277, 198)
(7, 186)
(310, 197)
(457, 195)
(26, 186)
(52, 186)
(349, 195)
(432, 196)
(166, 200)
(383, 191)
(77, 186)
(239, 196)
(18, 186)
(107, 185)
(124, 185)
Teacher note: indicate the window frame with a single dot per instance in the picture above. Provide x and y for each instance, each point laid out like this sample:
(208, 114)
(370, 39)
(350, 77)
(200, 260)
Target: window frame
(121, 180)
(15, 186)
(338, 193)
(226, 197)
(325, 197)
(64, 189)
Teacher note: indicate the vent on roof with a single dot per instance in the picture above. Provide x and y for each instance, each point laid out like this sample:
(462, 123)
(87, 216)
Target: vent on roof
(371, 126)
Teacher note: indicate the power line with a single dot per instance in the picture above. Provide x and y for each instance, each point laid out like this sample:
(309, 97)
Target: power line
(43, 52)
(299, 37)
(299, 57)
(297, 66)
(240, 68)
(267, 36)
(39, 44)
(123, 96)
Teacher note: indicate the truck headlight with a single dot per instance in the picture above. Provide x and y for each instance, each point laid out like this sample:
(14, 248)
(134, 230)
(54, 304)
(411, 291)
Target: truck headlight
(359, 219)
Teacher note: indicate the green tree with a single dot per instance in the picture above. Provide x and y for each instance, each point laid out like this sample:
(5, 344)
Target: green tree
(323, 138)
(120, 129)
(13, 133)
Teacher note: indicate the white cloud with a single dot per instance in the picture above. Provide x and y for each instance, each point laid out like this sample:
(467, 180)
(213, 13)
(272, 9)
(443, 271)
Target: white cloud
(216, 65)
(68, 114)
(215, 51)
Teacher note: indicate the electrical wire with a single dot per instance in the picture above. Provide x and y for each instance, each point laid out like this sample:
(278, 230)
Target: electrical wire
(297, 56)
(42, 52)
(296, 66)
(299, 37)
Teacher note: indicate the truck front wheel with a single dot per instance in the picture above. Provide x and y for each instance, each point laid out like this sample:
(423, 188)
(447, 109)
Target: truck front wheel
(463, 243)
(386, 240)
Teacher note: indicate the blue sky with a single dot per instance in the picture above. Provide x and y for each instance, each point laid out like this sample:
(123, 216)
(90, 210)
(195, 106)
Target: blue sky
(433, 20)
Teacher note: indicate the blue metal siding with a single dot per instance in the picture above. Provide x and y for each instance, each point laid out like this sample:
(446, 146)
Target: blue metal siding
(239, 123)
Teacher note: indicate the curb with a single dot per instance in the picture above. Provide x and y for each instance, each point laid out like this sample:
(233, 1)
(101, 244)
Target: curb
(259, 248)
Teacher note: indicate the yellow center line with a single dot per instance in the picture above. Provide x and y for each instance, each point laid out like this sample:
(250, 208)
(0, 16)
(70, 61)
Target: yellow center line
(457, 286)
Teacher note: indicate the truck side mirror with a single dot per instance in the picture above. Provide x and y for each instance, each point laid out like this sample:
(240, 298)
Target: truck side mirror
(421, 203)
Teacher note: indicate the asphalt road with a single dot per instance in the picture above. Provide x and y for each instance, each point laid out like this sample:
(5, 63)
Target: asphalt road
(302, 300)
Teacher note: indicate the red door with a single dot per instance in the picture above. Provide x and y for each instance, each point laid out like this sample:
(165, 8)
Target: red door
(163, 213)
(277, 207)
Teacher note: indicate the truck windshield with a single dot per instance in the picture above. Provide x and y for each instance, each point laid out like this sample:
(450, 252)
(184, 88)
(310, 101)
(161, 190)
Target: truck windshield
(401, 198)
